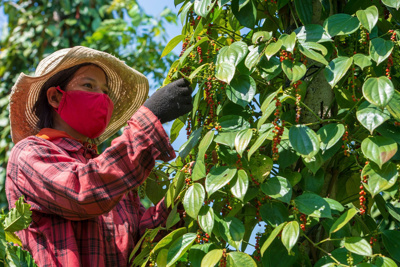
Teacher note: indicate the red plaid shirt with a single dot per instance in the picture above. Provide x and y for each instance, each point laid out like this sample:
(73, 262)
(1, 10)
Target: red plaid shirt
(84, 212)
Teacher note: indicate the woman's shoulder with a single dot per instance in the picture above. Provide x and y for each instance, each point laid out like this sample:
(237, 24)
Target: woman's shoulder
(29, 144)
(31, 141)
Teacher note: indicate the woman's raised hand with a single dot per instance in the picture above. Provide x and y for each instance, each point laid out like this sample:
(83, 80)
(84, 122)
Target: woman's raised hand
(171, 101)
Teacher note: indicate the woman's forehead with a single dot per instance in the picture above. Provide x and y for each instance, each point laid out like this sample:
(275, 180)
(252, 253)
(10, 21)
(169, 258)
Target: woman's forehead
(91, 71)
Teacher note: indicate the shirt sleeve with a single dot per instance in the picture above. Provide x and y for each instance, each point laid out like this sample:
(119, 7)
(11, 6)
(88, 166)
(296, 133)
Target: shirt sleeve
(153, 217)
(54, 182)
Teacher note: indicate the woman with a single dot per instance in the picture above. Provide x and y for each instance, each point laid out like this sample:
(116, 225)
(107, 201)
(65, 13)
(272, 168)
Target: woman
(84, 212)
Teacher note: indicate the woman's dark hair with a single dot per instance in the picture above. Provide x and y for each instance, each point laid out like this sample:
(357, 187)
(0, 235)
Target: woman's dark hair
(42, 108)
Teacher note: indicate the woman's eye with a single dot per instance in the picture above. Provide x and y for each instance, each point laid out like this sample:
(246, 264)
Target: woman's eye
(88, 85)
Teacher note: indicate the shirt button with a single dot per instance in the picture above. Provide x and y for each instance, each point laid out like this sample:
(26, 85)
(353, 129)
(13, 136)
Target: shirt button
(108, 238)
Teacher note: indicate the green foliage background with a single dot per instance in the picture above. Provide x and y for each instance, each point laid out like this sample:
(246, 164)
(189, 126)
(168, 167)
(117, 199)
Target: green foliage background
(295, 126)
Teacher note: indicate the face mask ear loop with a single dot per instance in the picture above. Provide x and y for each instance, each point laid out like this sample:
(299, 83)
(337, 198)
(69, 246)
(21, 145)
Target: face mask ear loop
(58, 88)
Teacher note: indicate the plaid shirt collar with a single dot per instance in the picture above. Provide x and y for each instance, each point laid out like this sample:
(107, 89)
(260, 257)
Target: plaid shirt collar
(66, 141)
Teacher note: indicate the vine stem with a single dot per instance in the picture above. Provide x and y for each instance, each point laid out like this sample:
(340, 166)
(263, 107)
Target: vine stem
(168, 164)
(225, 29)
(258, 104)
(356, 160)
(348, 113)
(213, 39)
(326, 240)
(248, 243)
(322, 121)
(308, 108)
(329, 254)
(184, 76)
(228, 32)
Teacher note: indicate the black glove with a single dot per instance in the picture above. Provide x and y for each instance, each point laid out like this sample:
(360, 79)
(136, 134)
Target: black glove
(171, 101)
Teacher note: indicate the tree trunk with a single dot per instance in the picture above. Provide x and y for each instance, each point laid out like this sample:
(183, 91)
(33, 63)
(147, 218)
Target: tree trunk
(319, 97)
(319, 94)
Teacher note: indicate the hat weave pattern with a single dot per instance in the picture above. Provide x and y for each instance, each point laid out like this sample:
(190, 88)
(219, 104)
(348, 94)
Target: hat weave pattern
(128, 89)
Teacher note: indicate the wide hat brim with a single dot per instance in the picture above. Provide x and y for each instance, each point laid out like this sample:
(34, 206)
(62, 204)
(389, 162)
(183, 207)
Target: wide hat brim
(128, 89)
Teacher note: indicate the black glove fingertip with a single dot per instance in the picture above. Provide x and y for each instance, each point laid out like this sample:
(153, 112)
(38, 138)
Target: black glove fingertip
(187, 83)
(187, 108)
(181, 82)
(186, 99)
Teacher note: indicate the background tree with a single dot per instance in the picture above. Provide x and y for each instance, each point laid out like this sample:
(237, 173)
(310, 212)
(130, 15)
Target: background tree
(38, 28)
(294, 126)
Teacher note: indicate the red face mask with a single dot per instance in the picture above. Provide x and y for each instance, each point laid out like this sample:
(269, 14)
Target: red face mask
(86, 112)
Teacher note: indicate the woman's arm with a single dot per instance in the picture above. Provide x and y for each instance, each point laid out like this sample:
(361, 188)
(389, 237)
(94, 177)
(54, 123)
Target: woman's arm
(54, 182)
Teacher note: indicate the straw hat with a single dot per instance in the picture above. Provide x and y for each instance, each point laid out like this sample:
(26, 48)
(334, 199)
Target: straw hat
(128, 89)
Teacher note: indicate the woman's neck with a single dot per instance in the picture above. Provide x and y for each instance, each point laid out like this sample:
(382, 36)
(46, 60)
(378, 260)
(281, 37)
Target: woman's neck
(61, 125)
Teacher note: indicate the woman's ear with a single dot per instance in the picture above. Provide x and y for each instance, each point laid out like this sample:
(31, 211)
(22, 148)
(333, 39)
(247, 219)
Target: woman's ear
(54, 97)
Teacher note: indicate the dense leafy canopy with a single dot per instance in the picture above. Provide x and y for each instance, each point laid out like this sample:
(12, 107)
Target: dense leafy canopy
(294, 127)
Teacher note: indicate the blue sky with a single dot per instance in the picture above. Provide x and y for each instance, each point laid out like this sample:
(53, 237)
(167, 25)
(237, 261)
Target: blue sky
(155, 7)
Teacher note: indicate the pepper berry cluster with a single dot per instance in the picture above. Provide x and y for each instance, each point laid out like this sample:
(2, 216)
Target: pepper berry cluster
(188, 170)
(295, 210)
(200, 53)
(350, 260)
(352, 82)
(209, 28)
(254, 180)
(372, 240)
(239, 161)
(345, 145)
(189, 127)
(222, 261)
(278, 130)
(147, 243)
(298, 99)
(303, 59)
(303, 219)
(388, 66)
(202, 237)
(362, 195)
(258, 205)
(285, 55)
(210, 99)
(393, 37)
(184, 46)
(364, 39)
(257, 252)
(191, 17)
